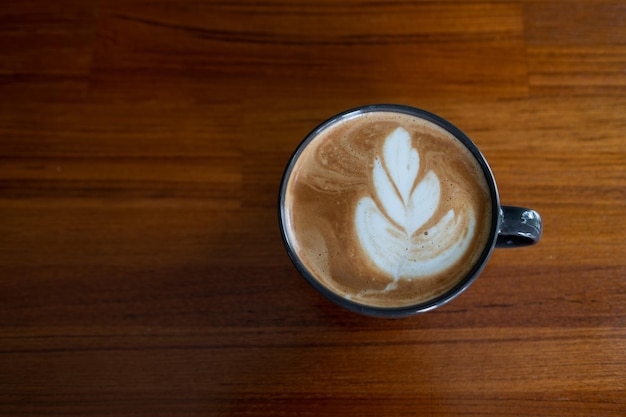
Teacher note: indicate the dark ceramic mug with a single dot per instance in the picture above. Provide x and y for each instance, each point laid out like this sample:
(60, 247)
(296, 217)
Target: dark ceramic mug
(508, 226)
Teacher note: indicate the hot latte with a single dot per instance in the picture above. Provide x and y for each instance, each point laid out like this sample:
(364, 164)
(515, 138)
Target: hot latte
(387, 209)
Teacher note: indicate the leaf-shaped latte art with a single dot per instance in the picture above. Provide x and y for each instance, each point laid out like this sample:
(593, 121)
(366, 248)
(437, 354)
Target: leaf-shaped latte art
(388, 223)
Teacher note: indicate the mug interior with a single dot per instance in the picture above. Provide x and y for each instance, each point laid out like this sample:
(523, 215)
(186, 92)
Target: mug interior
(400, 311)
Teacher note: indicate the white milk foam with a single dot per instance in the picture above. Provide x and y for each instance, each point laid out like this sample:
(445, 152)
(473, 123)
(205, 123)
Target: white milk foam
(390, 225)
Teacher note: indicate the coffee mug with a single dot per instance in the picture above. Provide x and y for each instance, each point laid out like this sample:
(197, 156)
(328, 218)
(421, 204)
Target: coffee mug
(390, 211)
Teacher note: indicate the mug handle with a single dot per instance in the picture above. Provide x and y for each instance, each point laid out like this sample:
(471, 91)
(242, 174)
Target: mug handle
(519, 227)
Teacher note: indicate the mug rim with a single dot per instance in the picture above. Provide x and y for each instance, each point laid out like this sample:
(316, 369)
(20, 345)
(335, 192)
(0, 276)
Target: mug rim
(405, 310)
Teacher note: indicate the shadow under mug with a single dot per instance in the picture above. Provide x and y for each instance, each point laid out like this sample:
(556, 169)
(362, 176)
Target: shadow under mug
(511, 226)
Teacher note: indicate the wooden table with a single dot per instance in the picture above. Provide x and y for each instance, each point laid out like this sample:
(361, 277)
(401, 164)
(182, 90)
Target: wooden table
(141, 266)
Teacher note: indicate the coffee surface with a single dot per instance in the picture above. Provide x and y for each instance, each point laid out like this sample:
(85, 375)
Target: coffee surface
(387, 209)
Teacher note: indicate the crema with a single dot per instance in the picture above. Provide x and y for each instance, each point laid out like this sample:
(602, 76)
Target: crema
(387, 209)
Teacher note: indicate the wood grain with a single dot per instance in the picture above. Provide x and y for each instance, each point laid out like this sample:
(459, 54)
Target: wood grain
(141, 267)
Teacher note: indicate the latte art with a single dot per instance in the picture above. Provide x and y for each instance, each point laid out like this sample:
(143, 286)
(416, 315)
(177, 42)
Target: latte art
(386, 209)
(388, 225)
